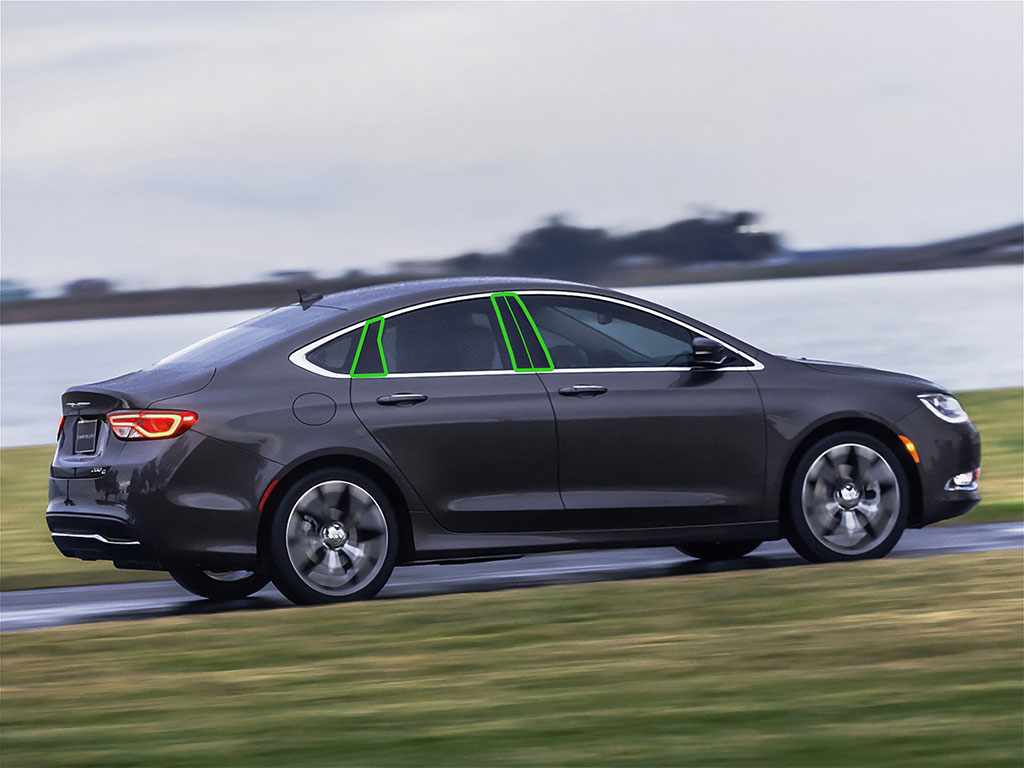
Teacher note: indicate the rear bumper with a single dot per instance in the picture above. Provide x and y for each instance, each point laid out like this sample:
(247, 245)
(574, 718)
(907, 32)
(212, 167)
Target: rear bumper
(98, 537)
(191, 500)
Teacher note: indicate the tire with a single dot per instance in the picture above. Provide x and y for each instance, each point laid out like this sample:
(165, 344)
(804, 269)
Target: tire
(219, 585)
(334, 538)
(719, 550)
(849, 499)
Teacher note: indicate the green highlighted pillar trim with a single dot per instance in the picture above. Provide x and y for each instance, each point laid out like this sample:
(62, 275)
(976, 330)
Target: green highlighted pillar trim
(379, 322)
(506, 298)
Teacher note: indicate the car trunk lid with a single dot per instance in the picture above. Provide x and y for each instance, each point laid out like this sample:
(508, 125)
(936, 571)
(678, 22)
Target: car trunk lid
(84, 435)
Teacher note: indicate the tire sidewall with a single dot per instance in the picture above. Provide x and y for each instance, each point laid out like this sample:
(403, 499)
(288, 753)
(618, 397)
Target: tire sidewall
(798, 530)
(283, 574)
(198, 582)
(714, 551)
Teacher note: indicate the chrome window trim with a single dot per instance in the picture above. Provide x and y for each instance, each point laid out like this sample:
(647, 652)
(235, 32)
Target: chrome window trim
(298, 357)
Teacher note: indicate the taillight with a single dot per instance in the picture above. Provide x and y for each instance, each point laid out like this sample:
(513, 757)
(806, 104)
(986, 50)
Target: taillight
(60, 427)
(150, 425)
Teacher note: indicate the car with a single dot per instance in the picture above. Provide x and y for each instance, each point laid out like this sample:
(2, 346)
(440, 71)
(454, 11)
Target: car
(320, 444)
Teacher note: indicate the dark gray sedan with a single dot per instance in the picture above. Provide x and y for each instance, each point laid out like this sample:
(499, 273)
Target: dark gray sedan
(323, 443)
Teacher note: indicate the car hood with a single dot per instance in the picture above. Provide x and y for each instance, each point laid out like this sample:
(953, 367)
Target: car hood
(859, 371)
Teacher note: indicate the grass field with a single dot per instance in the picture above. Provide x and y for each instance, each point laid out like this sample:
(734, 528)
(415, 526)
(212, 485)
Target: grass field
(908, 662)
(999, 416)
(29, 559)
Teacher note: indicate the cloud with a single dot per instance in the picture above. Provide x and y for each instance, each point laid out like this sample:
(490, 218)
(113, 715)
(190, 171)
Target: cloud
(228, 139)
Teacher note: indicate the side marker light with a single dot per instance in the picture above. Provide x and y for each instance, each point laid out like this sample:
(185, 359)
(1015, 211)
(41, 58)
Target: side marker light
(911, 448)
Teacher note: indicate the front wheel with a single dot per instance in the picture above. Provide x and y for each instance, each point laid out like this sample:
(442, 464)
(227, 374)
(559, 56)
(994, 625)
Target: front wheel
(719, 550)
(334, 538)
(849, 499)
(219, 585)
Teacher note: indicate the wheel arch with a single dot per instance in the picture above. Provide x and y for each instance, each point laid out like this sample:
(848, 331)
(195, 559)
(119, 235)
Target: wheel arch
(371, 469)
(867, 426)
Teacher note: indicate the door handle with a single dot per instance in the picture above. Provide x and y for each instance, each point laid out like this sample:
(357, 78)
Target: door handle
(401, 398)
(583, 390)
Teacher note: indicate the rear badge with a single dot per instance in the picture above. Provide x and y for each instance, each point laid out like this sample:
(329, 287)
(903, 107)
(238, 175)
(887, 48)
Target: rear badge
(85, 436)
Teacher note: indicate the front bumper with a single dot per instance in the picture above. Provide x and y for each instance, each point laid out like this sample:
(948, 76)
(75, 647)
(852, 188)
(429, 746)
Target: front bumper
(945, 450)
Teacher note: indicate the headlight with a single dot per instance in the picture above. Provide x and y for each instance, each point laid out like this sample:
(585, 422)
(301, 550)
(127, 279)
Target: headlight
(945, 407)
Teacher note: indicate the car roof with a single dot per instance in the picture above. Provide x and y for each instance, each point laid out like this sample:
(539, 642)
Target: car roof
(386, 296)
(349, 308)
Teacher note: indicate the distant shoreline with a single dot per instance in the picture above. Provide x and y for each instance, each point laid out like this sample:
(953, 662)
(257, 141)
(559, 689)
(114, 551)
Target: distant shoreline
(261, 295)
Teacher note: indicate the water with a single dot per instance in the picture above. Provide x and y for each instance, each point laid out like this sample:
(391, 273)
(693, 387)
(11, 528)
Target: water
(960, 328)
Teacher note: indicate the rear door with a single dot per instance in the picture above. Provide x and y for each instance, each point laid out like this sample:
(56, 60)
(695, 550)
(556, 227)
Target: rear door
(646, 440)
(449, 393)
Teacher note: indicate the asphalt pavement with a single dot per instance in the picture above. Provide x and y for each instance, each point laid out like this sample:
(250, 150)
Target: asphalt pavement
(39, 608)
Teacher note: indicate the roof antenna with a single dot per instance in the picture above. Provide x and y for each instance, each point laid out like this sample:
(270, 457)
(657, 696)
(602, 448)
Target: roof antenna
(307, 298)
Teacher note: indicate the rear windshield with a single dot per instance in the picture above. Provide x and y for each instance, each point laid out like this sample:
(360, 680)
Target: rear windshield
(250, 335)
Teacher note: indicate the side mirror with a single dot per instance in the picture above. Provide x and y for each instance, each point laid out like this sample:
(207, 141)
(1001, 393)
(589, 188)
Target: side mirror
(708, 353)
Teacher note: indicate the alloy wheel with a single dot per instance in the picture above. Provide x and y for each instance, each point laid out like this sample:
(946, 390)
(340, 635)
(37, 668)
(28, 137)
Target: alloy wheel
(850, 498)
(336, 538)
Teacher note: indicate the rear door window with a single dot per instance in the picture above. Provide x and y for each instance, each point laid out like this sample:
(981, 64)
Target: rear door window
(457, 336)
(454, 337)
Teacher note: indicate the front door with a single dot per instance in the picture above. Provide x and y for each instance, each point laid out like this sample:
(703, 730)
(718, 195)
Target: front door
(646, 439)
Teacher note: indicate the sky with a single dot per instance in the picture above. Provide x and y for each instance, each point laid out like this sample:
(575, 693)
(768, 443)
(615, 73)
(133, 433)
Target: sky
(202, 143)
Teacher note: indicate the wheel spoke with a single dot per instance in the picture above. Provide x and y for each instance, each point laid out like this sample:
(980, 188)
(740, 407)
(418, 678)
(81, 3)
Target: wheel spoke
(356, 556)
(874, 471)
(830, 465)
(312, 561)
(835, 519)
(866, 523)
(342, 503)
(333, 561)
(853, 461)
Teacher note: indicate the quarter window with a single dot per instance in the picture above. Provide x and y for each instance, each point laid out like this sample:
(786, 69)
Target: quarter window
(337, 354)
(589, 333)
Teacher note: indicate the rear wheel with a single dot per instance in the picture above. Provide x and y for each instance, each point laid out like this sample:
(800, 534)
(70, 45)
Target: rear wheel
(334, 538)
(219, 585)
(719, 550)
(849, 499)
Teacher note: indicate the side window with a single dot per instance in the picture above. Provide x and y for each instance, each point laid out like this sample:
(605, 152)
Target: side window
(457, 336)
(590, 333)
(337, 354)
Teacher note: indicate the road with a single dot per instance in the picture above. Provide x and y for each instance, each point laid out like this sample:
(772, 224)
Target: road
(39, 608)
